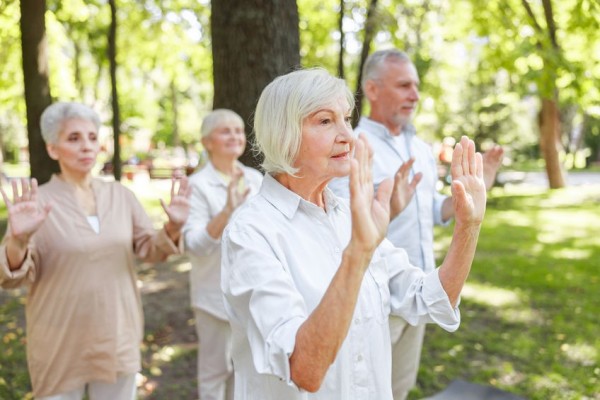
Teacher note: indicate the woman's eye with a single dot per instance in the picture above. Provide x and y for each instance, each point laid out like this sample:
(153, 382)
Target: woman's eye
(325, 121)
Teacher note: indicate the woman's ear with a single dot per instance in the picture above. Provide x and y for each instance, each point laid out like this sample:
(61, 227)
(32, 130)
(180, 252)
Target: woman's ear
(51, 149)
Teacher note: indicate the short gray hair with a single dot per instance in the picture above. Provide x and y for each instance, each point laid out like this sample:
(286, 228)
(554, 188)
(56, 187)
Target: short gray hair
(373, 63)
(56, 114)
(216, 118)
(281, 108)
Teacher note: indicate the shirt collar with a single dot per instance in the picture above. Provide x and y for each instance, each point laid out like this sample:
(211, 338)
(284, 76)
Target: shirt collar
(288, 202)
(381, 131)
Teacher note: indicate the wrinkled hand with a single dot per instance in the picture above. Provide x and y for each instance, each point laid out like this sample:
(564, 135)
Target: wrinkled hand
(468, 186)
(178, 208)
(492, 160)
(25, 215)
(235, 197)
(403, 189)
(370, 211)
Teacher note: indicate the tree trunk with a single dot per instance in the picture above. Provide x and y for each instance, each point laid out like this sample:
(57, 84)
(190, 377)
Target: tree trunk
(550, 144)
(342, 39)
(366, 48)
(112, 58)
(253, 41)
(37, 89)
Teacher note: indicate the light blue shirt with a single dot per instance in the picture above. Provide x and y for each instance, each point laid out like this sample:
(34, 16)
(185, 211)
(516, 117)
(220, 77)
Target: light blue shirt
(279, 255)
(412, 229)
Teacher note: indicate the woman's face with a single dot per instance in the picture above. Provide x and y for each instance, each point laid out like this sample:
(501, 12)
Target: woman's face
(77, 146)
(327, 142)
(227, 140)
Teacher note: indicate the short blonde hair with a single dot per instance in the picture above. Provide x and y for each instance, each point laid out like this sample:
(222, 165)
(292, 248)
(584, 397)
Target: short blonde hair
(282, 107)
(56, 114)
(216, 118)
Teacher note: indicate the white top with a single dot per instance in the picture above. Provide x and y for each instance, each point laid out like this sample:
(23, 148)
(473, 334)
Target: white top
(280, 253)
(412, 229)
(94, 222)
(209, 194)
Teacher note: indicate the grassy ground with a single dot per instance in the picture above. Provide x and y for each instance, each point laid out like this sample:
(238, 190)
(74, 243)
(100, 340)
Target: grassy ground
(530, 309)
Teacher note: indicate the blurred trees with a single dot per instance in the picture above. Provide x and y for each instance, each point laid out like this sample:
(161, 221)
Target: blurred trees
(485, 68)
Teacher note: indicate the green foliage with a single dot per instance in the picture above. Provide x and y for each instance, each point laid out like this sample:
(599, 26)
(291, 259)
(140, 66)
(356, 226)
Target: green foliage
(529, 308)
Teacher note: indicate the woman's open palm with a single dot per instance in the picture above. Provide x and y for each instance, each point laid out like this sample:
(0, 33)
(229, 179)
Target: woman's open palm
(468, 186)
(370, 212)
(25, 215)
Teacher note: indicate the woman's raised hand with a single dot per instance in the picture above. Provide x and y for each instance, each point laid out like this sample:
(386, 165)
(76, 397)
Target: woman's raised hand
(235, 196)
(25, 215)
(178, 208)
(468, 186)
(370, 211)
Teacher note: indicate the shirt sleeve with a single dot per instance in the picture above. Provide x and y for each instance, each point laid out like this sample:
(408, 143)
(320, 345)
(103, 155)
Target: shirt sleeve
(416, 296)
(25, 274)
(261, 300)
(197, 239)
(438, 200)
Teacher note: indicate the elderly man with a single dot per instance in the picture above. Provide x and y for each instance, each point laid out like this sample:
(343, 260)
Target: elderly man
(391, 84)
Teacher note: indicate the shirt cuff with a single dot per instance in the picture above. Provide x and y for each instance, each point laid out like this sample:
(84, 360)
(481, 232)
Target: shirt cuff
(440, 309)
(6, 274)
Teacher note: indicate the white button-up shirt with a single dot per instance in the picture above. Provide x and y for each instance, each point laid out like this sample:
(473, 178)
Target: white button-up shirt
(279, 256)
(209, 195)
(412, 229)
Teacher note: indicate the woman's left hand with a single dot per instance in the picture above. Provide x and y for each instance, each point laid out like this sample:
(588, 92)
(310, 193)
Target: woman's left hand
(468, 185)
(178, 208)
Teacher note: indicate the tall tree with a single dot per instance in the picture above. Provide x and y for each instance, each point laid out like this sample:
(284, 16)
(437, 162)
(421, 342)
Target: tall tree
(112, 58)
(342, 39)
(370, 29)
(37, 89)
(549, 120)
(253, 41)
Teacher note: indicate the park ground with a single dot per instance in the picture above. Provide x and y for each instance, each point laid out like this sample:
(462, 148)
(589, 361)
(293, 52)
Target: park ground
(529, 310)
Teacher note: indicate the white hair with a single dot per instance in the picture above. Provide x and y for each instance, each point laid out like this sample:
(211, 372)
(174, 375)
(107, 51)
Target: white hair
(56, 114)
(282, 107)
(216, 118)
(372, 67)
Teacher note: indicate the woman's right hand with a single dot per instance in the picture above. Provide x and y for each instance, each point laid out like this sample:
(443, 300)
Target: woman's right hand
(370, 211)
(25, 215)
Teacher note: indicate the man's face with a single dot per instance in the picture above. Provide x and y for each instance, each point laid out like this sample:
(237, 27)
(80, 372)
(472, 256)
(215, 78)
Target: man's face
(395, 93)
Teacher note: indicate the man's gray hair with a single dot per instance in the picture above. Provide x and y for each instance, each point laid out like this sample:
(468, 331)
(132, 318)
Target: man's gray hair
(373, 63)
(56, 114)
(282, 107)
(216, 117)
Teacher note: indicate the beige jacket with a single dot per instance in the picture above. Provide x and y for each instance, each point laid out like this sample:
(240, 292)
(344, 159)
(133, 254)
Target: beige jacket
(84, 311)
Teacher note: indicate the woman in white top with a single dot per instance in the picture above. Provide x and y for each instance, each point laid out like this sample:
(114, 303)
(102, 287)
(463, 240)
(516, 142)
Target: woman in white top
(217, 190)
(308, 279)
(73, 241)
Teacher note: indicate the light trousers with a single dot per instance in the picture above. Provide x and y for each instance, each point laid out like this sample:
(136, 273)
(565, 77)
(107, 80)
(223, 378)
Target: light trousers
(215, 366)
(123, 389)
(407, 341)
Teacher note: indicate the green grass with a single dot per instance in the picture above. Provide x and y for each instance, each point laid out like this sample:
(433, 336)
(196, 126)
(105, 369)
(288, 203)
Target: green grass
(530, 308)
(529, 311)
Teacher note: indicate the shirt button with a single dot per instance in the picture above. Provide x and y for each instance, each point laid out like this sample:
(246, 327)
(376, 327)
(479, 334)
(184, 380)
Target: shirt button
(357, 321)
(337, 249)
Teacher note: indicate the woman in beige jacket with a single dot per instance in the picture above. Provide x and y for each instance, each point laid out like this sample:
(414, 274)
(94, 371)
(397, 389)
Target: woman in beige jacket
(73, 240)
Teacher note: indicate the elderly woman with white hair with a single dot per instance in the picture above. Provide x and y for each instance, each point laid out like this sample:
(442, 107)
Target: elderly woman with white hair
(74, 240)
(218, 189)
(309, 279)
